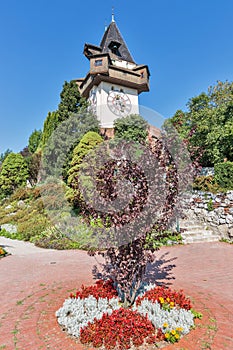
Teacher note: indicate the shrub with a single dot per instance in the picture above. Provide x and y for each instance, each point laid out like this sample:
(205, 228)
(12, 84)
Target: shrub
(206, 184)
(155, 240)
(210, 206)
(31, 225)
(132, 127)
(21, 194)
(53, 239)
(223, 175)
(14, 173)
(14, 235)
(87, 143)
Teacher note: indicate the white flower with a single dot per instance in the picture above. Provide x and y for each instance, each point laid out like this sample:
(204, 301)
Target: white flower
(174, 317)
(77, 313)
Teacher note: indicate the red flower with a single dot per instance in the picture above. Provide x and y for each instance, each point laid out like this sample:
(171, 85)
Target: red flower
(178, 298)
(101, 289)
(119, 329)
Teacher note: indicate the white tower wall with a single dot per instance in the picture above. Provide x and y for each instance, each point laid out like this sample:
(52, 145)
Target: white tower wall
(103, 112)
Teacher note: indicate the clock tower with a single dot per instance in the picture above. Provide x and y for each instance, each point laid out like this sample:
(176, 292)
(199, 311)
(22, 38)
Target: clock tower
(114, 80)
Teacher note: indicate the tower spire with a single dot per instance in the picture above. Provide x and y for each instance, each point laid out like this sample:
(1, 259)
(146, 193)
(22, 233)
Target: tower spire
(113, 15)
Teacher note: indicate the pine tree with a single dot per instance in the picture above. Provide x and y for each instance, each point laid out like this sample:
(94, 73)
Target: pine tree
(50, 124)
(71, 101)
(34, 140)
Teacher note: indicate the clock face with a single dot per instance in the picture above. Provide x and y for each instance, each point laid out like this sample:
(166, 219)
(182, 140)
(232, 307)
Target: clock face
(119, 103)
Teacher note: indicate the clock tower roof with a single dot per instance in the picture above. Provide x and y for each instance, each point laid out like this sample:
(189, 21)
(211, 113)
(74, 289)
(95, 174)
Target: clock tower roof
(113, 43)
(111, 62)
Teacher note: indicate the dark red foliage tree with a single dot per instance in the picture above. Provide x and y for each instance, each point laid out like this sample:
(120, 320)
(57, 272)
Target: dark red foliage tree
(155, 181)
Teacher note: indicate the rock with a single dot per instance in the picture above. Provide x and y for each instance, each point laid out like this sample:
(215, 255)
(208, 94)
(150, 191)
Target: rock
(230, 195)
(229, 219)
(9, 228)
(21, 204)
(230, 232)
(29, 184)
(223, 229)
(197, 210)
(219, 211)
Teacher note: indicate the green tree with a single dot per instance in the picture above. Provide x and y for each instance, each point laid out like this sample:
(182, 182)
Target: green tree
(71, 101)
(58, 151)
(34, 162)
(50, 124)
(14, 173)
(34, 140)
(207, 126)
(132, 127)
(25, 152)
(223, 175)
(87, 143)
(4, 155)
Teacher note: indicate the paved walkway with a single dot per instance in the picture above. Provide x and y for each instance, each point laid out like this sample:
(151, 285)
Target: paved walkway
(35, 282)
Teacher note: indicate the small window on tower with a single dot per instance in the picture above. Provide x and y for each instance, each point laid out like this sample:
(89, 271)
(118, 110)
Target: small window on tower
(112, 88)
(98, 63)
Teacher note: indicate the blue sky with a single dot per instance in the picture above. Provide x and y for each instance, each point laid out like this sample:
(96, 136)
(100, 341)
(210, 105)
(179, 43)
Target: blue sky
(186, 44)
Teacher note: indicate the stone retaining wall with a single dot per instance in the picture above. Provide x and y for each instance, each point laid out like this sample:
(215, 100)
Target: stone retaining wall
(214, 209)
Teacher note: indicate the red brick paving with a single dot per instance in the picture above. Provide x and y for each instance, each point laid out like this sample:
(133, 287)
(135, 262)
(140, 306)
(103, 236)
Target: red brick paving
(34, 286)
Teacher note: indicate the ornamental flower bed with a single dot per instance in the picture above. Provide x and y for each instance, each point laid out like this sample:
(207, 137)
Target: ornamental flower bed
(96, 316)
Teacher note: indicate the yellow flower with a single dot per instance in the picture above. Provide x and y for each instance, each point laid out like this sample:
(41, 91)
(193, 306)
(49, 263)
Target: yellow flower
(179, 329)
(161, 300)
(167, 335)
(165, 325)
(177, 336)
(168, 299)
(173, 332)
(172, 304)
